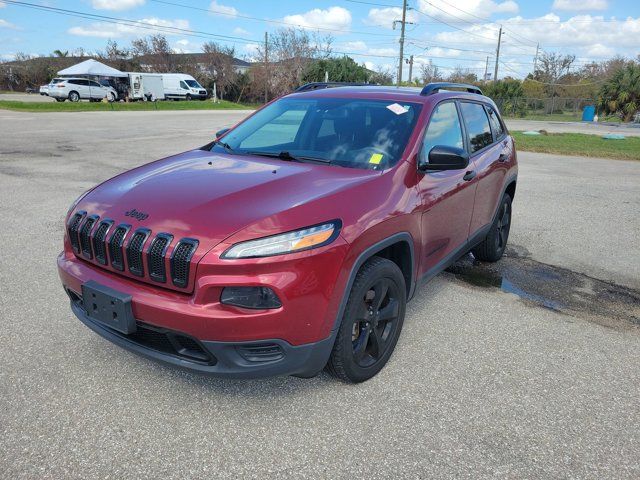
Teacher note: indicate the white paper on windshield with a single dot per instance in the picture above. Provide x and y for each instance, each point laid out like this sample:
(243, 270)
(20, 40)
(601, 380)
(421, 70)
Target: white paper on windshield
(397, 108)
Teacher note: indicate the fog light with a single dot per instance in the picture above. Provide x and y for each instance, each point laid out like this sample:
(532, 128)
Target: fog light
(250, 297)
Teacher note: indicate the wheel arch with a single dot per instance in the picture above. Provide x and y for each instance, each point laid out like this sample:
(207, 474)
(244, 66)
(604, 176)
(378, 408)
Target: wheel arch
(399, 248)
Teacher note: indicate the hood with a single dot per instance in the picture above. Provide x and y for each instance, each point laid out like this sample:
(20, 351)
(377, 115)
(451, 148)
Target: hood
(210, 196)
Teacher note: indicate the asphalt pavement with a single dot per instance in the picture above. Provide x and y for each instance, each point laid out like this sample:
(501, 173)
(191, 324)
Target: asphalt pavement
(525, 369)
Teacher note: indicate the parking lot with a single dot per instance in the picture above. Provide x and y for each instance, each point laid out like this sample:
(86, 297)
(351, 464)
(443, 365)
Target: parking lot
(525, 369)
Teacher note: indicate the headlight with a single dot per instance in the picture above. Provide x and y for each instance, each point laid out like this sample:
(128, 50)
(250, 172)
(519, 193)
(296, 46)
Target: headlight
(296, 241)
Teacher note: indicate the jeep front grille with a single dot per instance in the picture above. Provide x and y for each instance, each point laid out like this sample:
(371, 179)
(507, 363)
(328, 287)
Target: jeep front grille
(125, 250)
(85, 240)
(156, 255)
(180, 261)
(99, 246)
(73, 228)
(134, 251)
(115, 247)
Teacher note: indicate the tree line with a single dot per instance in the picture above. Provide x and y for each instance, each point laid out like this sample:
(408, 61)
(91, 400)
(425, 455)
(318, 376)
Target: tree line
(292, 57)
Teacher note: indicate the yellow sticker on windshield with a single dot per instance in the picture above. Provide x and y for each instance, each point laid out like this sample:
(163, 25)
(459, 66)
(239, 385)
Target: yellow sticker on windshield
(376, 158)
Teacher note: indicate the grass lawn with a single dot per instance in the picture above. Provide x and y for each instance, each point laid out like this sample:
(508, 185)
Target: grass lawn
(119, 106)
(579, 144)
(561, 117)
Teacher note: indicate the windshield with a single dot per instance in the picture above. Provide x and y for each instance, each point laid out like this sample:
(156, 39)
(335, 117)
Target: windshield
(193, 84)
(350, 132)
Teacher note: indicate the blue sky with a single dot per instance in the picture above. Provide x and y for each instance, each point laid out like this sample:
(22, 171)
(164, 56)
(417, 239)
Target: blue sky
(450, 33)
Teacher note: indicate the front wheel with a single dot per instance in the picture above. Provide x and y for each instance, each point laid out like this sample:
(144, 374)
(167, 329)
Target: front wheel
(112, 97)
(492, 247)
(60, 99)
(371, 323)
(187, 97)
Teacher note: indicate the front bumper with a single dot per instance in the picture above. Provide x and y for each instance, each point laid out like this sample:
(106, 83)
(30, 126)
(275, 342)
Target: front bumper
(228, 359)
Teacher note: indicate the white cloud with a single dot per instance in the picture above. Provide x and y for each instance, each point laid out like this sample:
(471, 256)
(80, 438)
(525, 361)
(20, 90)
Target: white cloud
(240, 31)
(251, 49)
(384, 17)
(335, 18)
(109, 30)
(217, 9)
(383, 52)
(2, 4)
(580, 5)
(116, 4)
(480, 8)
(5, 24)
(358, 45)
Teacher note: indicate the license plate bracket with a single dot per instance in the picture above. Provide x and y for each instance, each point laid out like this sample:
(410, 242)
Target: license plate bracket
(108, 307)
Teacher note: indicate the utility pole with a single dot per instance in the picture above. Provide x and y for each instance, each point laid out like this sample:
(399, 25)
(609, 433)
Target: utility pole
(486, 67)
(495, 72)
(404, 20)
(535, 59)
(266, 67)
(410, 62)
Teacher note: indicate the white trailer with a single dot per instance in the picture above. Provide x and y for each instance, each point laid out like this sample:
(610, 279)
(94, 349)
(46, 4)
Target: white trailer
(145, 86)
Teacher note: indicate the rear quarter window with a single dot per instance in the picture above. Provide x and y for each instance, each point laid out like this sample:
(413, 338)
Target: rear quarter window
(478, 129)
(496, 124)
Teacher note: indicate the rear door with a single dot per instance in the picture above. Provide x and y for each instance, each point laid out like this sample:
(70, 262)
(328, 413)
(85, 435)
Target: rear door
(490, 150)
(96, 90)
(447, 196)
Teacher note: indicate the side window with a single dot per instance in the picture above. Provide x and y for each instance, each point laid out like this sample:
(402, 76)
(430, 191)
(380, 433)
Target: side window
(444, 128)
(475, 118)
(183, 85)
(496, 124)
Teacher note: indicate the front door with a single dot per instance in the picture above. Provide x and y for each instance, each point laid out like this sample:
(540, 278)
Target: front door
(446, 196)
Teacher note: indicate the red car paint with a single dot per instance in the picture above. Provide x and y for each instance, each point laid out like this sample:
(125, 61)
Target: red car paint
(223, 199)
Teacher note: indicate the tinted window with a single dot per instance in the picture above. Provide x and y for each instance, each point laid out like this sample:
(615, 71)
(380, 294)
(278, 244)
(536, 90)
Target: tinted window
(193, 84)
(475, 118)
(78, 82)
(94, 84)
(183, 85)
(496, 125)
(350, 132)
(444, 128)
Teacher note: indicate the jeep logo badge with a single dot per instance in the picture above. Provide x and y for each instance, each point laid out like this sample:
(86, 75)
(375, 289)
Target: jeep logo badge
(136, 214)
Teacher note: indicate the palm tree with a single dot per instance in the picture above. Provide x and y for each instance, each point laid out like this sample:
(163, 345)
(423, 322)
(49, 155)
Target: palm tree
(60, 53)
(620, 95)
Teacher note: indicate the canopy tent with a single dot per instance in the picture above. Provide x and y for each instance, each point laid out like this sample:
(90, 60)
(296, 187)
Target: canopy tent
(92, 67)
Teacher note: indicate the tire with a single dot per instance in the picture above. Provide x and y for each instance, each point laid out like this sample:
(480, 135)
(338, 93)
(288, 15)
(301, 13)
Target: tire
(60, 99)
(371, 323)
(492, 247)
(74, 97)
(187, 97)
(112, 97)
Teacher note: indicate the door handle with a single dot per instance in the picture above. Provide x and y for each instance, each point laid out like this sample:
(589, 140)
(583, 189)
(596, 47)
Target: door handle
(470, 175)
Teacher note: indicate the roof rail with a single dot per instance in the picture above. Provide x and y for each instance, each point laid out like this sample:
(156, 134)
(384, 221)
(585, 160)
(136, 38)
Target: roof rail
(321, 85)
(432, 88)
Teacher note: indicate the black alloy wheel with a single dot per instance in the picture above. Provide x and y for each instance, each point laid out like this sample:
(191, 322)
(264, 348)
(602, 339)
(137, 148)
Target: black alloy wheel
(371, 322)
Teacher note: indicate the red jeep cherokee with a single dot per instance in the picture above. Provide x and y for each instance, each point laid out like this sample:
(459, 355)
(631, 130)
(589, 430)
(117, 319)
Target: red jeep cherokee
(295, 239)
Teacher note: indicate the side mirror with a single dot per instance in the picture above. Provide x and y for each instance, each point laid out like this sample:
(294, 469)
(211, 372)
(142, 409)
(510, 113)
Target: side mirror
(219, 133)
(443, 157)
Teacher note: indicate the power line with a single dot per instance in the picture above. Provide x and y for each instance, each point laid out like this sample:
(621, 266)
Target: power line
(267, 20)
(454, 27)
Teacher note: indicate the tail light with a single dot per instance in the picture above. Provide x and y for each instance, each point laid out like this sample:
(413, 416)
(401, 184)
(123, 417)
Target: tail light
(60, 85)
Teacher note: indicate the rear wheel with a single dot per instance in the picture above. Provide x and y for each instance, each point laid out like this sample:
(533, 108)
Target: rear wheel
(492, 247)
(371, 323)
(60, 99)
(74, 97)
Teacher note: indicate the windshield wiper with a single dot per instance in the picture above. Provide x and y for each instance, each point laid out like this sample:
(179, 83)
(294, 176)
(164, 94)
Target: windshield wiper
(284, 155)
(224, 145)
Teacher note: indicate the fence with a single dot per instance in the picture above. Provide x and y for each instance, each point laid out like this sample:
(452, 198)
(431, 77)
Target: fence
(519, 107)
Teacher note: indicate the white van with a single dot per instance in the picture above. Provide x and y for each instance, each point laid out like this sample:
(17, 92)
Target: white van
(179, 86)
